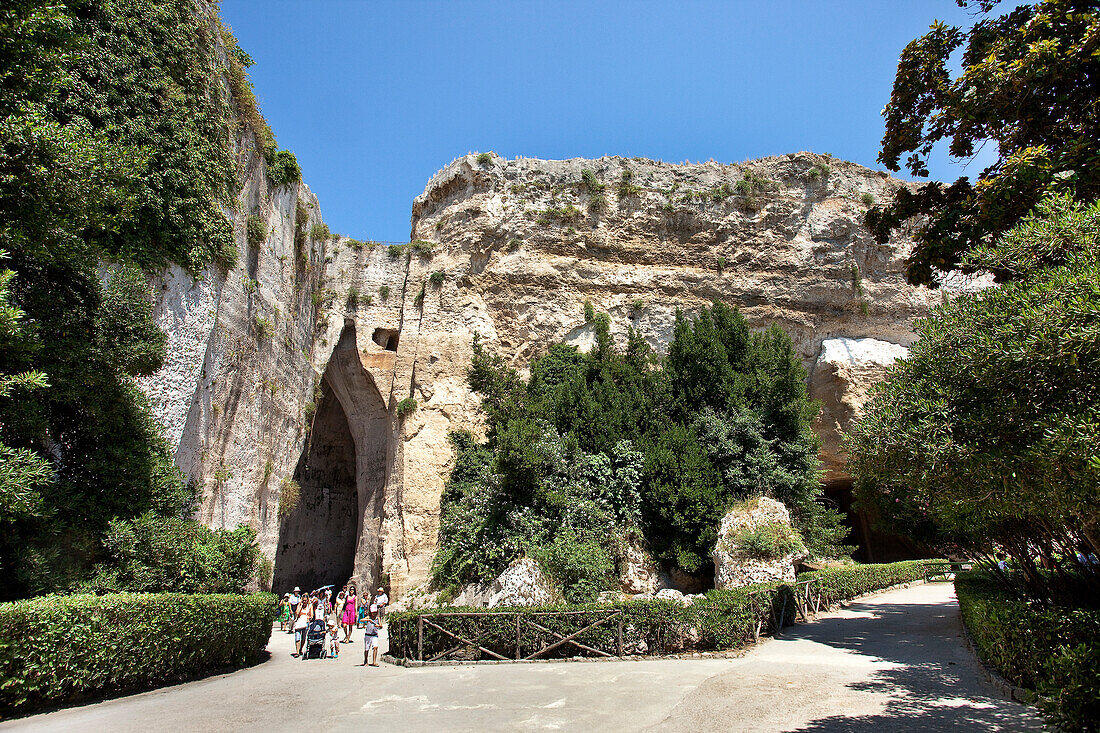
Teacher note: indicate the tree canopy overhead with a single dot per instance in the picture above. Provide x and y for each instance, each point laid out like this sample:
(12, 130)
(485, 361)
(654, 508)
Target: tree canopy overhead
(1030, 85)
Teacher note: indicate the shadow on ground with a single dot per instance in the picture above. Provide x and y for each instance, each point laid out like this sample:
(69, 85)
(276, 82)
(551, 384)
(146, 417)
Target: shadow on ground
(934, 686)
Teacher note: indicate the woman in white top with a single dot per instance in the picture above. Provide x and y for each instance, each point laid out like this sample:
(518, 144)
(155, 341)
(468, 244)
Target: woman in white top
(301, 623)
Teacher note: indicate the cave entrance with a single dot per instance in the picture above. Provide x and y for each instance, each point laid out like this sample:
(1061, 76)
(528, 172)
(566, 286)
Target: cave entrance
(872, 545)
(333, 535)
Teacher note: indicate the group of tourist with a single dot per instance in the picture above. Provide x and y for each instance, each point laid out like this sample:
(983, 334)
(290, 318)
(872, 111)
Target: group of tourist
(340, 615)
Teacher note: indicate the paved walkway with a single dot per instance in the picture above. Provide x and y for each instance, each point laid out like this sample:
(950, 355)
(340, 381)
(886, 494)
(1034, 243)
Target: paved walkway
(895, 661)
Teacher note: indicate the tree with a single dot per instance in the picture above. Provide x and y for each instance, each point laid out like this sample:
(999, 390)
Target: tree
(1030, 84)
(22, 471)
(115, 152)
(601, 447)
(985, 436)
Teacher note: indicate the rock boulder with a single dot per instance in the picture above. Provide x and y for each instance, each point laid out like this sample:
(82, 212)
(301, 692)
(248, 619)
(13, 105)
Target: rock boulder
(735, 564)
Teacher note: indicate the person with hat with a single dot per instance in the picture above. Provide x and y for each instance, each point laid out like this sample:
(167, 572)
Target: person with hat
(380, 601)
(294, 599)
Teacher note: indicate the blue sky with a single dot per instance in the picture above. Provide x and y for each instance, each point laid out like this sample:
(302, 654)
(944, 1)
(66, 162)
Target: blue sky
(374, 98)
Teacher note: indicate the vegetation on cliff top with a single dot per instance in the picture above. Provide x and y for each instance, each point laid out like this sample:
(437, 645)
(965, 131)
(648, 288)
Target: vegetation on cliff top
(600, 449)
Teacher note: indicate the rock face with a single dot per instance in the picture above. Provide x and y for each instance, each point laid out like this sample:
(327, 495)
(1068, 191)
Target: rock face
(733, 568)
(521, 584)
(640, 574)
(291, 366)
(845, 371)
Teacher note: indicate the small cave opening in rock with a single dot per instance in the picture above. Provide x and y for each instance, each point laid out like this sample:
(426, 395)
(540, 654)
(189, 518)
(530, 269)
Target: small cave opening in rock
(872, 544)
(387, 338)
(334, 532)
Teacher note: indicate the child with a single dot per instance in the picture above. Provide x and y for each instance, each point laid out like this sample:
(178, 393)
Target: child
(284, 612)
(333, 641)
(370, 641)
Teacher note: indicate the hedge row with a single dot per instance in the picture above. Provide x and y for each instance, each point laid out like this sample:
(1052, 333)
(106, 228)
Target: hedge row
(840, 584)
(58, 649)
(721, 620)
(1054, 653)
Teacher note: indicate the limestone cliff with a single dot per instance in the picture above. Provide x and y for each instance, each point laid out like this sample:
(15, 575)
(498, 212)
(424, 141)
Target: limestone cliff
(293, 364)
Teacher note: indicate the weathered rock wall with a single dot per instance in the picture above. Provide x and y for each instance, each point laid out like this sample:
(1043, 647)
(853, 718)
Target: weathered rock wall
(520, 246)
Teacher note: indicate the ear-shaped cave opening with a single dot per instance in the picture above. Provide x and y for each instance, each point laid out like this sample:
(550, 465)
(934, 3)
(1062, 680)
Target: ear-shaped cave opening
(334, 532)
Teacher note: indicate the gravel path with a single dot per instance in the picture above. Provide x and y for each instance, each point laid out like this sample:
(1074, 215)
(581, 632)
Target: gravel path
(895, 661)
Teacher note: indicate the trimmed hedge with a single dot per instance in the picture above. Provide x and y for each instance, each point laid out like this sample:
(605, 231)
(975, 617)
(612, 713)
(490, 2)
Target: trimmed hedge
(840, 584)
(59, 649)
(1054, 653)
(721, 620)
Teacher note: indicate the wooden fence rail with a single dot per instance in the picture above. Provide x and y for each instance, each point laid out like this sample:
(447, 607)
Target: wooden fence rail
(523, 622)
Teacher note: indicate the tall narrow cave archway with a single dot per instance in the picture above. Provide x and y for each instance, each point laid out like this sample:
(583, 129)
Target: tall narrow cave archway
(334, 533)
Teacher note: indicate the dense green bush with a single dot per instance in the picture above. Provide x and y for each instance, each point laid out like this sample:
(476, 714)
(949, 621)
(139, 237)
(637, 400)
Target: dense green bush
(1053, 652)
(154, 554)
(57, 649)
(768, 541)
(616, 443)
(985, 435)
(283, 168)
(720, 620)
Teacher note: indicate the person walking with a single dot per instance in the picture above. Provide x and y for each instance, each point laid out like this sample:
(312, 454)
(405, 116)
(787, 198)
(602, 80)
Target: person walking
(381, 600)
(284, 612)
(370, 641)
(347, 619)
(301, 624)
(295, 599)
(338, 605)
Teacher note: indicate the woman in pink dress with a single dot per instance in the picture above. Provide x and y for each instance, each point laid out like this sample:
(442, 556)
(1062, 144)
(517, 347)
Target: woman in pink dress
(347, 617)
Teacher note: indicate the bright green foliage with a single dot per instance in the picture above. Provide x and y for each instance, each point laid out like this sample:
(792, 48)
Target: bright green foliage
(1030, 85)
(598, 447)
(1052, 652)
(721, 620)
(157, 93)
(256, 231)
(839, 584)
(283, 168)
(22, 472)
(319, 232)
(406, 406)
(115, 143)
(986, 435)
(58, 649)
(436, 279)
(155, 554)
(484, 158)
(769, 541)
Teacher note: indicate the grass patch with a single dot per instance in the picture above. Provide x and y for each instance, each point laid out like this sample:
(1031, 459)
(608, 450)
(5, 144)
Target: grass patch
(405, 407)
(255, 231)
(290, 492)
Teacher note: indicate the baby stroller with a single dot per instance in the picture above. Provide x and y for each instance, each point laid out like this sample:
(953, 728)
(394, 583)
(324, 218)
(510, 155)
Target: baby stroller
(315, 640)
